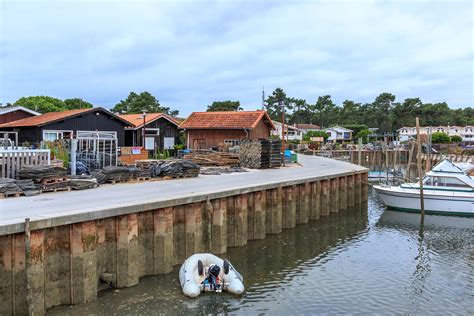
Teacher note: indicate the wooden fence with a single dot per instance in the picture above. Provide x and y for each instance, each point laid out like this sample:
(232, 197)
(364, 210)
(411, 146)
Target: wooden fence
(11, 161)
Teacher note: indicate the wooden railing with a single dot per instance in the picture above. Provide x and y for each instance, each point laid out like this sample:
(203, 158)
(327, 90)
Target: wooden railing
(11, 161)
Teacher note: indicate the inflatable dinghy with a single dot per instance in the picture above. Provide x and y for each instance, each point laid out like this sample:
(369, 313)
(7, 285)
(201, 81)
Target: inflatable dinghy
(199, 268)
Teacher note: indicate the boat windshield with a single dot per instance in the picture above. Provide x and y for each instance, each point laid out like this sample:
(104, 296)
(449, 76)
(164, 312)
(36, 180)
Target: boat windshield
(444, 182)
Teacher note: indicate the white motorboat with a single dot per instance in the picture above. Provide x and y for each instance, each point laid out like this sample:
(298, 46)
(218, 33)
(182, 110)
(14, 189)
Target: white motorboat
(197, 270)
(447, 190)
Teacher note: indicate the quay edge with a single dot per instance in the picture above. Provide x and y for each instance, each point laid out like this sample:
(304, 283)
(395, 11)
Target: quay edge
(64, 259)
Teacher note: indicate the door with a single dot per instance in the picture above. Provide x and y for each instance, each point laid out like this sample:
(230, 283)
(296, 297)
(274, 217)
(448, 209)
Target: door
(168, 143)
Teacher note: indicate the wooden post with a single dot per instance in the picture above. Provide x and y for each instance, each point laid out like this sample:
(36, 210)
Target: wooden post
(359, 148)
(410, 156)
(420, 173)
(29, 295)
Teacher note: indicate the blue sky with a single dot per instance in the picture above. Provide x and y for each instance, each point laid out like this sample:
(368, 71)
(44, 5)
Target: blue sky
(190, 53)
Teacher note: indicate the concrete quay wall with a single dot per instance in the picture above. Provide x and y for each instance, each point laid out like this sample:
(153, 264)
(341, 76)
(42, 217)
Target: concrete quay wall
(69, 263)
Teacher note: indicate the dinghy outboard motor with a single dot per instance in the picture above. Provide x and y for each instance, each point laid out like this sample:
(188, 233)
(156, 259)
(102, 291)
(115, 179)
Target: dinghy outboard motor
(213, 282)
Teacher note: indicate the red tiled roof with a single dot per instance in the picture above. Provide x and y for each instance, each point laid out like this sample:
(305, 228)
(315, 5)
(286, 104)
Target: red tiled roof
(136, 120)
(308, 126)
(45, 118)
(226, 120)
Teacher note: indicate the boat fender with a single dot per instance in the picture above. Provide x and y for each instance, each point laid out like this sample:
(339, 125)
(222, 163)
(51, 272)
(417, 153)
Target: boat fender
(226, 266)
(200, 268)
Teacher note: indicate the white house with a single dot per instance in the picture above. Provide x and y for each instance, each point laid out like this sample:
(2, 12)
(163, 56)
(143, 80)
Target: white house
(466, 132)
(338, 133)
(308, 127)
(291, 132)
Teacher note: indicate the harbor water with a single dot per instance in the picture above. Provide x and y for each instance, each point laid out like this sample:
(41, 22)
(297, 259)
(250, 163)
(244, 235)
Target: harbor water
(364, 260)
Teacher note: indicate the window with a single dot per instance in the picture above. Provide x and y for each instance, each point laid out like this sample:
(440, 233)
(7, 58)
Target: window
(51, 136)
(152, 131)
(232, 142)
(444, 182)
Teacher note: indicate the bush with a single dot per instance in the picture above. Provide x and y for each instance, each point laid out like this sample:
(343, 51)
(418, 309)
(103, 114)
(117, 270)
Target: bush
(363, 134)
(310, 134)
(356, 128)
(456, 139)
(440, 138)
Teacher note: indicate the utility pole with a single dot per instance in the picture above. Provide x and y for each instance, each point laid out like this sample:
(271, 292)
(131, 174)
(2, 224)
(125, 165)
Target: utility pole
(282, 107)
(420, 173)
(143, 129)
(263, 98)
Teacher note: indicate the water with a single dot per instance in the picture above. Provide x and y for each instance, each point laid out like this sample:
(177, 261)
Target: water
(368, 260)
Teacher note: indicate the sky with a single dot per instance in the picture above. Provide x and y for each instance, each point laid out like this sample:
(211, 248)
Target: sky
(191, 53)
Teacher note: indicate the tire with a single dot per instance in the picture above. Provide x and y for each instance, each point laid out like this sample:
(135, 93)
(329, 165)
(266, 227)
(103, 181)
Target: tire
(200, 268)
(226, 266)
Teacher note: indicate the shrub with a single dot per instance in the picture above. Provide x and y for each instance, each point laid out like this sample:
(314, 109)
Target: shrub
(440, 138)
(310, 134)
(456, 139)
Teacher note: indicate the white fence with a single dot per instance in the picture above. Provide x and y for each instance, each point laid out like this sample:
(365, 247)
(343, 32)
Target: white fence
(11, 161)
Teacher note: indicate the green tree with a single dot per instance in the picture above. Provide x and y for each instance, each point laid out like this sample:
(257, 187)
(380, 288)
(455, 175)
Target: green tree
(224, 106)
(440, 138)
(42, 104)
(324, 109)
(382, 110)
(77, 103)
(274, 103)
(356, 128)
(137, 103)
(308, 135)
(456, 139)
(363, 134)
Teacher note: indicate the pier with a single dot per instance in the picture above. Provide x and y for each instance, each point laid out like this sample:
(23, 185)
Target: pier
(77, 242)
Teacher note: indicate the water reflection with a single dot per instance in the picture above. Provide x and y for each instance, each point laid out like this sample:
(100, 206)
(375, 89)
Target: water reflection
(366, 260)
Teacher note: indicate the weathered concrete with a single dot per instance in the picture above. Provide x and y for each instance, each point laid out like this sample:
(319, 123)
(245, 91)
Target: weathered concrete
(64, 262)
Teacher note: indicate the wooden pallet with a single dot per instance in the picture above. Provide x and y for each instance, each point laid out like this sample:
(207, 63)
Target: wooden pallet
(10, 195)
(53, 180)
(47, 190)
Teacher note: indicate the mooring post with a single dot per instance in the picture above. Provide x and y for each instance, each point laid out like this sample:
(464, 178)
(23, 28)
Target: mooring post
(342, 193)
(350, 190)
(219, 226)
(260, 200)
(127, 250)
(325, 197)
(334, 194)
(84, 262)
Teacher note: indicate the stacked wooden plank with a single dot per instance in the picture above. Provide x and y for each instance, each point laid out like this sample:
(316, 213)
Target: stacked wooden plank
(114, 174)
(82, 182)
(8, 187)
(175, 168)
(49, 178)
(213, 158)
(260, 154)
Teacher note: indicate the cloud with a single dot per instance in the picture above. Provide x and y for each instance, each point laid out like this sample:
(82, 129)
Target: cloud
(189, 54)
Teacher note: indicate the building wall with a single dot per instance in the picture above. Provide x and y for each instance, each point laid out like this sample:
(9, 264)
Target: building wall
(167, 129)
(206, 138)
(260, 131)
(14, 116)
(86, 122)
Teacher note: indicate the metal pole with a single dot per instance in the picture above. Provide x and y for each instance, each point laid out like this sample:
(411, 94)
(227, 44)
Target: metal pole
(73, 156)
(420, 173)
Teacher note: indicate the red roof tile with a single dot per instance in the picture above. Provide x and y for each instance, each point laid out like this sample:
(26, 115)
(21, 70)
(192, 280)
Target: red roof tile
(226, 120)
(136, 120)
(45, 118)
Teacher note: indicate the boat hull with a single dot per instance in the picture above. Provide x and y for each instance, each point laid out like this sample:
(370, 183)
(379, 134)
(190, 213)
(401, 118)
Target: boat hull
(452, 204)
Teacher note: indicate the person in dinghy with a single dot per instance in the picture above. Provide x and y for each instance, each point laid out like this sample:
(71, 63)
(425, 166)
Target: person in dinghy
(205, 272)
(213, 282)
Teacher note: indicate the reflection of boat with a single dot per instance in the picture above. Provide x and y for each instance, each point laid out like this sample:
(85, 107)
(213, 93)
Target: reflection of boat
(383, 176)
(410, 220)
(447, 191)
(193, 275)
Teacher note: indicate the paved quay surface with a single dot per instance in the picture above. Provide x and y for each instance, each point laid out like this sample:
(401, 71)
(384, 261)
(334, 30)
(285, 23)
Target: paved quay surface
(54, 209)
